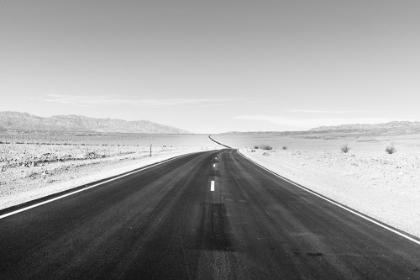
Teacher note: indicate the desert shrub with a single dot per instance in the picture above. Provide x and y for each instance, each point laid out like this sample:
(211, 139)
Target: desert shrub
(265, 154)
(284, 147)
(33, 175)
(265, 147)
(256, 147)
(345, 148)
(390, 149)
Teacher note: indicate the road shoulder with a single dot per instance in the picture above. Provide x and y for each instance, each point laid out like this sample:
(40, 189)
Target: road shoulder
(381, 204)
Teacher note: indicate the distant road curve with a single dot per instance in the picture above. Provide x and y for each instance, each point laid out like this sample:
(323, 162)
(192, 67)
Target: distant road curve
(219, 143)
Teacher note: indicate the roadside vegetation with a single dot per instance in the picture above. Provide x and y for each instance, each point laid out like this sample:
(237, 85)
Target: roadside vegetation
(390, 149)
(345, 148)
(265, 147)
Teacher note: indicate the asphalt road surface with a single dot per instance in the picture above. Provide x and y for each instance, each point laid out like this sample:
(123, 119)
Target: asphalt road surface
(166, 223)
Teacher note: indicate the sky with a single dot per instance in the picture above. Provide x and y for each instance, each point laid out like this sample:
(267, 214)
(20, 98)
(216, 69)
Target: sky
(213, 66)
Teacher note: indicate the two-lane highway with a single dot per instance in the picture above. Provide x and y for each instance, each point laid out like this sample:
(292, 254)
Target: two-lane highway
(210, 215)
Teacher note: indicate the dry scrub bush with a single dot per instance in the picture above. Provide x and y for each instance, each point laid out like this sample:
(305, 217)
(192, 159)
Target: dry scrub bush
(265, 147)
(345, 148)
(284, 147)
(390, 149)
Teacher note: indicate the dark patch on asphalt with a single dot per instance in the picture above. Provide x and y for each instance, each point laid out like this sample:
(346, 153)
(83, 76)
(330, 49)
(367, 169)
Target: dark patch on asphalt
(214, 173)
(315, 254)
(215, 228)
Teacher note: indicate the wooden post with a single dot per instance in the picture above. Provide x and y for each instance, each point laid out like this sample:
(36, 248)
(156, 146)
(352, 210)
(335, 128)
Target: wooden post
(150, 154)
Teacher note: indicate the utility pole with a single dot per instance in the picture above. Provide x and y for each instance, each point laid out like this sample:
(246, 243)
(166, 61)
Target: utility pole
(150, 148)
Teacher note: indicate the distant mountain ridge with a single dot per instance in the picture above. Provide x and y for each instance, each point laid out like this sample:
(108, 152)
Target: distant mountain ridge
(25, 121)
(395, 126)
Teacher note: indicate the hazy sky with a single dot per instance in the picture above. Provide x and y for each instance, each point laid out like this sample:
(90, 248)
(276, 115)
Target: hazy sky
(213, 66)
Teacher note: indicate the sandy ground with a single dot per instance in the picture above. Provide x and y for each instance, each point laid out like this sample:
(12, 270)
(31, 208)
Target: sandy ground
(30, 171)
(383, 186)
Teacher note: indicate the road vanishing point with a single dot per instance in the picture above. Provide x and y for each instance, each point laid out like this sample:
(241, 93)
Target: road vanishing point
(206, 215)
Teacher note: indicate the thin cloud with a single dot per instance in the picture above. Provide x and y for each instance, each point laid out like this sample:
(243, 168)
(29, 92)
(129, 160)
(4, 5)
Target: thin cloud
(320, 111)
(305, 123)
(258, 101)
(105, 100)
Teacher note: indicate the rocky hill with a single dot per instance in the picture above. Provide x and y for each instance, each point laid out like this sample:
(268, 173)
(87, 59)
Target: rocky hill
(26, 122)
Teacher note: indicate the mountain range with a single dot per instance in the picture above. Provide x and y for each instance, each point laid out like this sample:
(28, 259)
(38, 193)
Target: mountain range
(395, 127)
(27, 122)
(402, 127)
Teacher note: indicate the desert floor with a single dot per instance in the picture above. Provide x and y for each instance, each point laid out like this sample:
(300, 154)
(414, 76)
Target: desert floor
(34, 165)
(367, 179)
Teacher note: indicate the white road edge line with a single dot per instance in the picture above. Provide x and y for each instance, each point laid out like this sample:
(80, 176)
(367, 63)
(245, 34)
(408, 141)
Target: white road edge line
(84, 189)
(212, 186)
(335, 203)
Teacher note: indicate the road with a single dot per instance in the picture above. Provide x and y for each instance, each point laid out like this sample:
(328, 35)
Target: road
(166, 223)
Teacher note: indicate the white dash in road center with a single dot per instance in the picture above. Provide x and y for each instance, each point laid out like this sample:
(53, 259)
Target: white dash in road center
(212, 186)
(214, 165)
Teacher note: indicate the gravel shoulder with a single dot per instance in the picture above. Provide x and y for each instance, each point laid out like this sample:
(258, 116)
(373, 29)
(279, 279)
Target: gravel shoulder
(383, 186)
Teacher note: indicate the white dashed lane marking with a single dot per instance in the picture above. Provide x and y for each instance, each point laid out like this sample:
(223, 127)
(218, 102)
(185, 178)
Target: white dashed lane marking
(212, 186)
